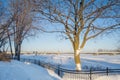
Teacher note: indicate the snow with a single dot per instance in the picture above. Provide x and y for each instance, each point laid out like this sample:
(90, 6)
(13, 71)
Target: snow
(97, 62)
(110, 61)
(112, 77)
(16, 70)
(67, 60)
(53, 74)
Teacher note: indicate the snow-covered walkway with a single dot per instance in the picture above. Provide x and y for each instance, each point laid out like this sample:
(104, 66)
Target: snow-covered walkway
(16, 70)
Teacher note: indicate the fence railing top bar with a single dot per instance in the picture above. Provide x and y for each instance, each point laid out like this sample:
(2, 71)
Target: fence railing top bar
(101, 70)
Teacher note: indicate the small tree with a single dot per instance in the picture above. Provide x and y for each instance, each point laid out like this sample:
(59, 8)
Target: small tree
(82, 19)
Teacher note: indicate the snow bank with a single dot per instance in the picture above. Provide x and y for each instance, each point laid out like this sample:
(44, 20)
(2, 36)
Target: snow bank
(15, 70)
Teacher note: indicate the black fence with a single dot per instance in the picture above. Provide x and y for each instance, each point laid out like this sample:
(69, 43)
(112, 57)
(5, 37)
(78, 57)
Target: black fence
(66, 74)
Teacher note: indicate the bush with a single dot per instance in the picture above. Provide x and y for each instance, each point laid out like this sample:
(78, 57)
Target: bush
(5, 57)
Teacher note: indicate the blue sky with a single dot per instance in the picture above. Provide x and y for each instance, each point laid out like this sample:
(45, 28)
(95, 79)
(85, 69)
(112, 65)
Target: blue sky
(52, 43)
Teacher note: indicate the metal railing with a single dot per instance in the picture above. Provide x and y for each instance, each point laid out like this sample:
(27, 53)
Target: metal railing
(66, 74)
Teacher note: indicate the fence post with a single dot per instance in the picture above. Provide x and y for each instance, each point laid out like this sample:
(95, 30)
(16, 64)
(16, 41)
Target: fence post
(58, 70)
(90, 73)
(39, 63)
(107, 71)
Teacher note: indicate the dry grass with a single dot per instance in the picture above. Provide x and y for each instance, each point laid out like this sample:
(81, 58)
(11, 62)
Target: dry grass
(5, 57)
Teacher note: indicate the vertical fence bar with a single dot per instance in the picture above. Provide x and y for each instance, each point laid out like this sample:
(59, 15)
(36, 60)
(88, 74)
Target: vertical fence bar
(58, 70)
(90, 73)
(107, 71)
(39, 62)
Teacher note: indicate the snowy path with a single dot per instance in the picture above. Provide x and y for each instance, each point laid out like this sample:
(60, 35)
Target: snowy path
(15, 70)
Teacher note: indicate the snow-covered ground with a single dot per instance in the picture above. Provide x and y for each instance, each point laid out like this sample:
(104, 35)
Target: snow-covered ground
(16, 70)
(88, 60)
(112, 77)
(66, 61)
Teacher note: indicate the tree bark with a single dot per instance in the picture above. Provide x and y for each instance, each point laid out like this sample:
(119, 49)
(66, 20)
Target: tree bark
(76, 53)
(77, 60)
(17, 51)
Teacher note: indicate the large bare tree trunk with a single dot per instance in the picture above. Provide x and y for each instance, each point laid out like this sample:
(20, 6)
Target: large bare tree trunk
(76, 53)
(77, 60)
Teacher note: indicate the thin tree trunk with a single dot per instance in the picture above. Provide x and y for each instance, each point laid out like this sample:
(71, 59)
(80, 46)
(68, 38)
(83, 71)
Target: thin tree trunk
(16, 51)
(10, 43)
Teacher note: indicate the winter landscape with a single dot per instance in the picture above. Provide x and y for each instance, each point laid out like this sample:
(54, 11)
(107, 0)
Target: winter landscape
(59, 39)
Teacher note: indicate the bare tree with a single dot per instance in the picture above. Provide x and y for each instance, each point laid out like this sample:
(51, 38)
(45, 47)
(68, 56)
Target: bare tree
(22, 24)
(82, 19)
(3, 39)
(5, 22)
(5, 34)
